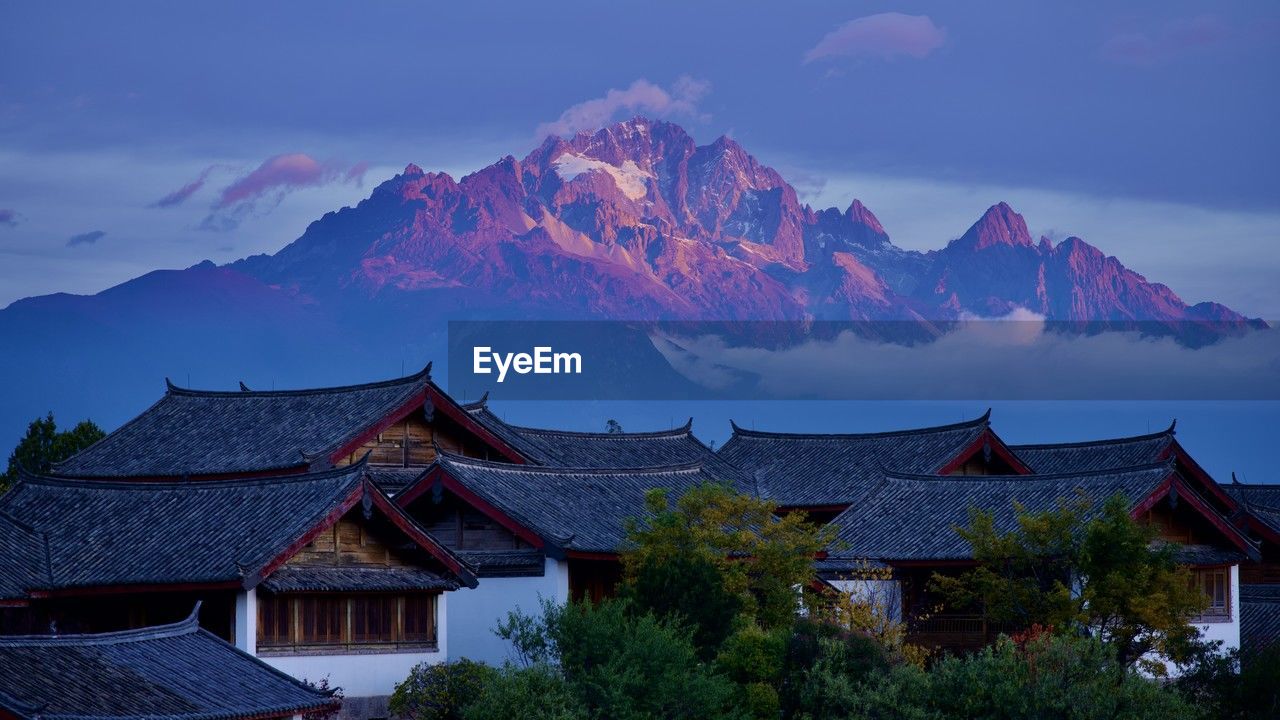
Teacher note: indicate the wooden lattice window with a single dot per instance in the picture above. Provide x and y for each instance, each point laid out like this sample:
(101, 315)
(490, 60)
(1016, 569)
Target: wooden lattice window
(289, 622)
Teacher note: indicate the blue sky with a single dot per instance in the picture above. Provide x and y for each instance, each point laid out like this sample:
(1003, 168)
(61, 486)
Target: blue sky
(1148, 130)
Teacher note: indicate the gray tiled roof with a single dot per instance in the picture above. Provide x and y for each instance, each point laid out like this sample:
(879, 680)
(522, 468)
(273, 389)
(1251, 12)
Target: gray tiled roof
(914, 517)
(1096, 454)
(567, 448)
(1259, 616)
(1208, 555)
(350, 579)
(170, 672)
(22, 550)
(795, 469)
(1262, 501)
(394, 479)
(506, 563)
(202, 432)
(110, 533)
(580, 509)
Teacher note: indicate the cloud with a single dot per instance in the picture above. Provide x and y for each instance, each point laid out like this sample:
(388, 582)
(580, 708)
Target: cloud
(641, 96)
(1020, 357)
(88, 238)
(885, 36)
(271, 181)
(8, 218)
(179, 196)
(1168, 42)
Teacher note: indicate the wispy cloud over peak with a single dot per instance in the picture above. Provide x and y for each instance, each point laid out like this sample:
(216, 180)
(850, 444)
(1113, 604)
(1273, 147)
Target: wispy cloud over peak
(642, 96)
(272, 180)
(87, 238)
(1162, 44)
(884, 36)
(179, 196)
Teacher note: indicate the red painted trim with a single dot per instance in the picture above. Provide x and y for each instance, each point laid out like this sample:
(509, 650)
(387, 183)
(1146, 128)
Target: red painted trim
(15, 603)
(1262, 529)
(398, 518)
(125, 589)
(441, 402)
(1185, 460)
(1193, 499)
(325, 523)
(579, 555)
(1218, 521)
(391, 418)
(438, 474)
(998, 448)
(1150, 501)
(463, 418)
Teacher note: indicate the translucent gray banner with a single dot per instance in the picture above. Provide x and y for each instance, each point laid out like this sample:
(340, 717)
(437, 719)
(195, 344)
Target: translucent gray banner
(890, 360)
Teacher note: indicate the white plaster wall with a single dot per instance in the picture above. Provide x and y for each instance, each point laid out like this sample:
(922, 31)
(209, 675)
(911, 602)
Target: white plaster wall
(883, 594)
(474, 613)
(1227, 632)
(357, 675)
(245, 630)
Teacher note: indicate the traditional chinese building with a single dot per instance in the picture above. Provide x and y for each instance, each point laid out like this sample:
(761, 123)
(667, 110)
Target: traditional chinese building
(177, 671)
(319, 574)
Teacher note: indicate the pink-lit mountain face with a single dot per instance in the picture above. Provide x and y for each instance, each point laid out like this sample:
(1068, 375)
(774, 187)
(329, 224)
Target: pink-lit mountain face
(637, 221)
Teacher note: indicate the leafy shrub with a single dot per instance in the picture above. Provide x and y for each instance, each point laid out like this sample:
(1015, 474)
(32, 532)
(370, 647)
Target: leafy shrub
(440, 691)
(535, 692)
(753, 658)
(1051, 676)
(689, 588)
(1233, 685)
(823, 665)
(622, 665)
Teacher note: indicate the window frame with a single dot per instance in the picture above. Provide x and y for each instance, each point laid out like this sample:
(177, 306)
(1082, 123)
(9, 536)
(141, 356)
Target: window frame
(1212, 614)
(355, 612)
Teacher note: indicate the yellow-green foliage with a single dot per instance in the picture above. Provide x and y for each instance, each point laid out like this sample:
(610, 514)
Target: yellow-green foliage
(1107, 574)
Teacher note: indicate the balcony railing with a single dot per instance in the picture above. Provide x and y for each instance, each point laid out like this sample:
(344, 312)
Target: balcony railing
(956, 632)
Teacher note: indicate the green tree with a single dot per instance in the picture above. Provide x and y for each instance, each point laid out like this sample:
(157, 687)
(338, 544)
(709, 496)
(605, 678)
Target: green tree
(762, 559)
(1069, 568)
(622, 665)
(1050, 676)
(44, 445)
(613, 427)
(440, 691)
(536, 692)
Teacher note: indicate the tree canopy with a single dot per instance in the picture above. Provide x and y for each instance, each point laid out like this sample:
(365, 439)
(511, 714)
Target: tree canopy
(1071, 568)
(44, 445)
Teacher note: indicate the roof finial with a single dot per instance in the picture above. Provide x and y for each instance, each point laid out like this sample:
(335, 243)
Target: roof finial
(1173, 427)
(243, 387)
(1234, 481)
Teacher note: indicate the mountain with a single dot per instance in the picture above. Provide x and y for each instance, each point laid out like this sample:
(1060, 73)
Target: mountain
(635, 221)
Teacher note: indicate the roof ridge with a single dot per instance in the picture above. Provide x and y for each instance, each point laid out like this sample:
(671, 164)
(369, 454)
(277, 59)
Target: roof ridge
(1131, 469)
(682, 430)
(186, 626)
(478, 404)
(93, 482)
(1167, 432)
(423, 374)
(451, 458)
(980, 421)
